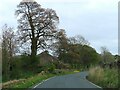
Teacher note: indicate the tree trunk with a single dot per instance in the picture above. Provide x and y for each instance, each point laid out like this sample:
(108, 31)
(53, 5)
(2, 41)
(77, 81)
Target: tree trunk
(34, 48)
(33, 59)
(33, 40)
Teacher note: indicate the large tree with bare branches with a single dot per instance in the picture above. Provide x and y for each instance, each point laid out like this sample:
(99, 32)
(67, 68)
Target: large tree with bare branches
(36, 25)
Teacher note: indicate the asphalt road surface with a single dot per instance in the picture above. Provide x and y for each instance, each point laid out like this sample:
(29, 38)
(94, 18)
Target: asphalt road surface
(77, 80)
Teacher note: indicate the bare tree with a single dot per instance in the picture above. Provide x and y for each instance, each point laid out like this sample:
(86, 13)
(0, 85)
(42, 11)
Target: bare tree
(8, 49)
(78, 39)
(36, 25)
(60, 44)
(106, 55)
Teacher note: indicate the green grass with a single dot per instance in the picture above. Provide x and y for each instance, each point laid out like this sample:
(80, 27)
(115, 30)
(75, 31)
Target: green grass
(110, 78)
(106, 78)
(31, 81)
(19, 75)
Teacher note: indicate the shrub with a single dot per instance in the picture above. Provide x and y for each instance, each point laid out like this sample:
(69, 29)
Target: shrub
(51, 68)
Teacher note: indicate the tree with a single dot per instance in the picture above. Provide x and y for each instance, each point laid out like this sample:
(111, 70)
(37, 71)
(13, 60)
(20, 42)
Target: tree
(62, 42)
(36, 25)
(76, 51)
(9, 48)
(78, 39)
(89, 56)
(107, 57)
(0, 61)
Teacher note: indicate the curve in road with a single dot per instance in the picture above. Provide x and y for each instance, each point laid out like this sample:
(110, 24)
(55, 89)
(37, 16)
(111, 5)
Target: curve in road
(77, 80)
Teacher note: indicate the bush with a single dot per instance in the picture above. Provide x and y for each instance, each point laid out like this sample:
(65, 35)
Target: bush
(22, 67)
(51, 68)
(57, 71)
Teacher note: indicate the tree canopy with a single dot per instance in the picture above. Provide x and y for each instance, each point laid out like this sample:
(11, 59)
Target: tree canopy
(36, 26)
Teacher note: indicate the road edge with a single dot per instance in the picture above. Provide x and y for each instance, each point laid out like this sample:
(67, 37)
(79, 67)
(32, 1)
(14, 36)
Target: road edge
(93, 83)
(55, 76)
(43, 81)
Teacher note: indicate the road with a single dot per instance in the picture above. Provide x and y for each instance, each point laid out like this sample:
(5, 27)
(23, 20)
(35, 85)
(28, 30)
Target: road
(77, 80)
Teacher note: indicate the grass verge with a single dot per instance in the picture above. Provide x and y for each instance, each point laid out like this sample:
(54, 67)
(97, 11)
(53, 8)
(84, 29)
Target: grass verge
(105, 78)
(31, 81)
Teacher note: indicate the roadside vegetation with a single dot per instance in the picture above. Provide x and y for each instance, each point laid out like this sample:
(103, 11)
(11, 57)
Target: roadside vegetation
(106, 73)
(104, 77)
(30, 82)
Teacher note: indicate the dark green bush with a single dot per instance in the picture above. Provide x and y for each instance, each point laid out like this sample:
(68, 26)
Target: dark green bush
(51, 68)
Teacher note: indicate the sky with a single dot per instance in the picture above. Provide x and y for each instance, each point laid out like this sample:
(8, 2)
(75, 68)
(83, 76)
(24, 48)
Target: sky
(95, 20)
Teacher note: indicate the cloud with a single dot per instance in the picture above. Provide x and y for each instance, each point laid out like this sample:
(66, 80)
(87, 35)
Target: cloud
(96, 20)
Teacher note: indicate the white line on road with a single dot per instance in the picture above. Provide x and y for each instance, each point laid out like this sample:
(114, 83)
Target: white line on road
(43, 81)
(94, 84)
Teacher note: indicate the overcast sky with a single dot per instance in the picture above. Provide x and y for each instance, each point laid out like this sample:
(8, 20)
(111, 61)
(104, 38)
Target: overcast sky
(95, 20)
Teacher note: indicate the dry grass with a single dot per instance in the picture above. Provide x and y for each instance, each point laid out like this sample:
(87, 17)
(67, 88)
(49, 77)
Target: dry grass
(106, 78)
(7, 84)
(15, 82)
(96, 74)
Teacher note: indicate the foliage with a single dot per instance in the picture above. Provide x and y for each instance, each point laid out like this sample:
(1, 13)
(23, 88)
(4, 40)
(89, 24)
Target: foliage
(50, 67)
(89, 56)
(106, 78)
(106, 55)
(31, 81)
(22, 68)
(9, 48)
(37, 25)
(78, 39)
(26, 83)
(80, 55)
(61, 43)
(76, 51)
